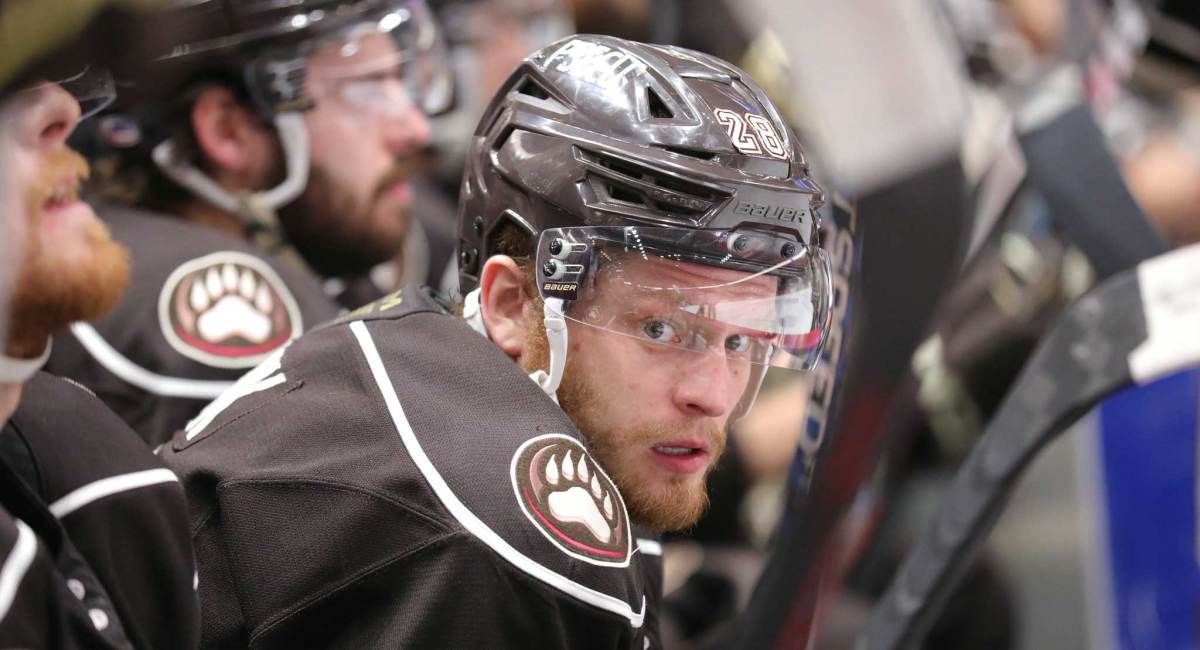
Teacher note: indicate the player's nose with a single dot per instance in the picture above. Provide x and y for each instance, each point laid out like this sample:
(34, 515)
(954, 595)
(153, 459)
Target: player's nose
(704, 387)
(52, 116)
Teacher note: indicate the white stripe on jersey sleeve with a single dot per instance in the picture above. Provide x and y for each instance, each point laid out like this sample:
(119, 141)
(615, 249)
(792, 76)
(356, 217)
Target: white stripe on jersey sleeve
(82, 496)
(15, 566)
(128, 371)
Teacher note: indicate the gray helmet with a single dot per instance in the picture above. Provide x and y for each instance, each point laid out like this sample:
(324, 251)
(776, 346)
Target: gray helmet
(597, 130)
(603, 149)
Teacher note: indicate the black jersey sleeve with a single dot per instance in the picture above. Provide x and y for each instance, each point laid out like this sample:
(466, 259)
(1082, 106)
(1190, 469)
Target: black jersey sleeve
(121, 508)
(345, 569)
(451, 593)
(37, 609)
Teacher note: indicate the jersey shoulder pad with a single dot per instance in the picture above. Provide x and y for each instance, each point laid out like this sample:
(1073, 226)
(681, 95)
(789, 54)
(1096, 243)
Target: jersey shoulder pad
(504, 460)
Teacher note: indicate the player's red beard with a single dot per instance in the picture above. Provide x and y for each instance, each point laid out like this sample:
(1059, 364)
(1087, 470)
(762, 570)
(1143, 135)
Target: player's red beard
(679, 505)
(55, 289)
(337, 234)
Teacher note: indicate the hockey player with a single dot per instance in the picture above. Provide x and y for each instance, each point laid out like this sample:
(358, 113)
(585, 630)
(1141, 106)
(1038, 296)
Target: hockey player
(638, 237)
(264, 130)
(93, 529)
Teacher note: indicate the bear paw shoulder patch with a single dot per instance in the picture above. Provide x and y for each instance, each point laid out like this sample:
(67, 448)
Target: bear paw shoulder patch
(571, 501)
(227, 310)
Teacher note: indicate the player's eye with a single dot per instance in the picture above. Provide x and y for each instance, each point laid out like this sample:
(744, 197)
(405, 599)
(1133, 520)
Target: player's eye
(659, 331)
(737, 343)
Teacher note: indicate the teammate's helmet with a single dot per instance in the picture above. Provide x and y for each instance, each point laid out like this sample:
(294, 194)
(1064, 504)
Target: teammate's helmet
(382, 56)
(608, 151)
(266, 43)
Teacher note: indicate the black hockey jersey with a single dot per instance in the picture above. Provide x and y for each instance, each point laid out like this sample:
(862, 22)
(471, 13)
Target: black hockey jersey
(393, 480)
(202, 308)
(93, 531)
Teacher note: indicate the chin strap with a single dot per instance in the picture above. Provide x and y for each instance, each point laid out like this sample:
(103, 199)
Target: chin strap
(18, 371)
(256, 209)
(556, 336)
(473, 314)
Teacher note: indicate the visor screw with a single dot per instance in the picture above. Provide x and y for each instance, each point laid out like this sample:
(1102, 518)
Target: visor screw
(477, 224)
(738, 243)
(556, 246)
(788, 250)
(466, 258)
(550, 268)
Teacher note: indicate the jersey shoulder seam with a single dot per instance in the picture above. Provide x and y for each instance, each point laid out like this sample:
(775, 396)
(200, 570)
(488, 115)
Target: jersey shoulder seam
(277, 620)
(343, 486)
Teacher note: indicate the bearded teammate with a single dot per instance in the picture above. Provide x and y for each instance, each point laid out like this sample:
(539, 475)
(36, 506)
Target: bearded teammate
(278, 138)
(638, 234)
(94, 546)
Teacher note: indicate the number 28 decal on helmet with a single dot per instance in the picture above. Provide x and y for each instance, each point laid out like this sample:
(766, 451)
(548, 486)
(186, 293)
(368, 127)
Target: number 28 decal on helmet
(753, 140)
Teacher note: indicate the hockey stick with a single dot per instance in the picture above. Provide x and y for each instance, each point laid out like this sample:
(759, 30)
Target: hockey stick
(1137, 327)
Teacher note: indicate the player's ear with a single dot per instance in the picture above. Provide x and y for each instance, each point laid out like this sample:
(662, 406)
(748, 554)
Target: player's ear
(232, 139)
(502, 303)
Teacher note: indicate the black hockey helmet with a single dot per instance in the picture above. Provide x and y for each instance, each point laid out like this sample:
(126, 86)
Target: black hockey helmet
(605, 150)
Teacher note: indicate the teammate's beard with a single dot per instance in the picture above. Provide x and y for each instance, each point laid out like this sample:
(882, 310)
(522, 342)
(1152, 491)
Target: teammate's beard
(340, 236)
(52, 289)
(675, 507)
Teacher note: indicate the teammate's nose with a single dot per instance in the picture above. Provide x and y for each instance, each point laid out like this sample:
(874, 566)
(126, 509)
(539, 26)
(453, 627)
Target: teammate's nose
(407, 132)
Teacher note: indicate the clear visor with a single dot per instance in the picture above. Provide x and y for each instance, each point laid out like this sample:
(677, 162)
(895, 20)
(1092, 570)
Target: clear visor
(748, 296)
(387, 64)
(93, 87)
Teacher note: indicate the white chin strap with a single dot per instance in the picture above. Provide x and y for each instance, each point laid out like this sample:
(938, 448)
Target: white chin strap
(257, 209)
(18, 371)
(556, 336)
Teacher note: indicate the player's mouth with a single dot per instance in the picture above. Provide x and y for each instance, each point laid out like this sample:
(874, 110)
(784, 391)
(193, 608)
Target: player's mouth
(398, 192)
(682, 455)
(61, 202)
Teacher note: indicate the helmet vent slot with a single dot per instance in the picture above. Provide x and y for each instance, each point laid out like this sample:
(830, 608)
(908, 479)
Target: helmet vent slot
(655, 194)
(533, 89)
(658, 108)
(502, 138)
(622, 193)
(691, 153)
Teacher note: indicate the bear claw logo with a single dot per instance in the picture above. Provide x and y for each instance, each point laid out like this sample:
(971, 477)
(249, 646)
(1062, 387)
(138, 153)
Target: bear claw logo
(228, 310)
(571, 500)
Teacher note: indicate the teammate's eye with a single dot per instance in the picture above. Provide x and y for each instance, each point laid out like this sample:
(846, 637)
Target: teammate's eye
(737, 343)
(659, 331)
(365, 91)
